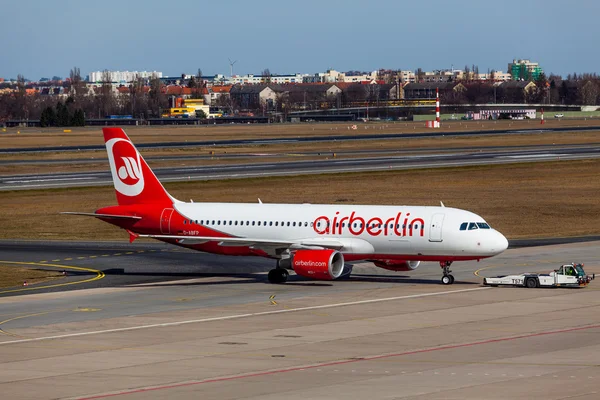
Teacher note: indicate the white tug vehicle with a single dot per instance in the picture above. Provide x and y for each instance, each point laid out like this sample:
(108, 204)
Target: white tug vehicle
(568, 275)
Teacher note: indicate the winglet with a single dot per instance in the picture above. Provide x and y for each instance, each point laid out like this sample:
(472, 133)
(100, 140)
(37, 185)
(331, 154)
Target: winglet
(132, 236)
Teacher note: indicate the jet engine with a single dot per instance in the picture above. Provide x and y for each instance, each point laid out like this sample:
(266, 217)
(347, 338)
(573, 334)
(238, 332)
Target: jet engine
(397, 265)
(318, 264)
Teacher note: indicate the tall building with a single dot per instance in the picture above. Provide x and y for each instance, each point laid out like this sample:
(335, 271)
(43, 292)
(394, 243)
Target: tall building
(524, 70)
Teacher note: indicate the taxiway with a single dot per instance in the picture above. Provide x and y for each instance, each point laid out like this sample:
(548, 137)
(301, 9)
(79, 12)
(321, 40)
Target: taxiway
(220, 331)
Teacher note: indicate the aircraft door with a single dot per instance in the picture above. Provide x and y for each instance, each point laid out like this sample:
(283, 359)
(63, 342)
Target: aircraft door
(435, 229)
(165, 221)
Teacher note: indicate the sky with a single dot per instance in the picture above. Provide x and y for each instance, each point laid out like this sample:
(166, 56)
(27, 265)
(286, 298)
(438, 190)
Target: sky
(42, 38)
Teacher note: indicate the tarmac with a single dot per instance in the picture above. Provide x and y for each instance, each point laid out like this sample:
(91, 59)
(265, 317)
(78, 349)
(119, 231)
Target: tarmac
(210, 330)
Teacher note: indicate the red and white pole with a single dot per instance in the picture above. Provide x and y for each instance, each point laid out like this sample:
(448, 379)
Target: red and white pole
(437, 107)
(542, 117)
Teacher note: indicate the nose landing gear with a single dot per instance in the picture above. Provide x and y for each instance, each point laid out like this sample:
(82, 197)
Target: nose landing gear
(447, 278)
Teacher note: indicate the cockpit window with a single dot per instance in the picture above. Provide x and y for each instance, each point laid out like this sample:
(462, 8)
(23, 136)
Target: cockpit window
(472, 225)
(463, 226)
(483, 225)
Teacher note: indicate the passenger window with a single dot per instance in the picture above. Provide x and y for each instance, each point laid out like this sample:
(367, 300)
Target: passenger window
(236, 222)
(306, 224)
(252, 223)
(288, 224)
(276, 223)
(184, 221)
(463, 226)
(472, 226)
(294, 224)
(218, 222)
(270, 223)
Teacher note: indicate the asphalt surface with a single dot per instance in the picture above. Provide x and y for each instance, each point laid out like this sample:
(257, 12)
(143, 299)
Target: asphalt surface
(223, 155)
(287, 140)
(377, 335)
(331, 165)
(115, 264)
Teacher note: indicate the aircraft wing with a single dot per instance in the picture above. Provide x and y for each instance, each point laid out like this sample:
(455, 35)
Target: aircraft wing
(249, 242)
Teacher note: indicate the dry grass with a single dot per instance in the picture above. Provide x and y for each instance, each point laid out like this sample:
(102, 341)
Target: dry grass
(16, 275)
(36, 137)
(520, 200)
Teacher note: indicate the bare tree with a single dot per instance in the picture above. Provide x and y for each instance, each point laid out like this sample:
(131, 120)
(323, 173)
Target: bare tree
(199, 85)
(588, 93)
(420, 75)
(266, 74)
(77, 87)
(105, 99)
(157, 100)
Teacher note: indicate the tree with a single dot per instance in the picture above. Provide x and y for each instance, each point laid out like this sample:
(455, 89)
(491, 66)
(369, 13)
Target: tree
(543, 89)
(266, 74)
(77, 87)
(157, 100)
(201, 114)
(78, 118)
(62, 115)
(106, 99)
(420, 75)
(588, 93)
(138, 101)
(199, 83)
(48, 117)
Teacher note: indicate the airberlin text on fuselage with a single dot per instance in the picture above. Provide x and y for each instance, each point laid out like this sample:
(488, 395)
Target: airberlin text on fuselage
(356, 225)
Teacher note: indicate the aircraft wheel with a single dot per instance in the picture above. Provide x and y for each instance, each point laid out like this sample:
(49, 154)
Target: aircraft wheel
(447, 280)
(278, 275)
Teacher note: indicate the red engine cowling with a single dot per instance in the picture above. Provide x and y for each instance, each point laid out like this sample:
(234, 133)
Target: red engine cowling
(397, 265)
(318, 264)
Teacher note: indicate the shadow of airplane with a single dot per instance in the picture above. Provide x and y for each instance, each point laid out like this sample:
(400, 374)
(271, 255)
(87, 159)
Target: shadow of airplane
(244, 278)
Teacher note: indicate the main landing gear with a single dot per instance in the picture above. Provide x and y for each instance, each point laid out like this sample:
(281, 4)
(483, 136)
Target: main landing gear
(447, 278)
(279, 274)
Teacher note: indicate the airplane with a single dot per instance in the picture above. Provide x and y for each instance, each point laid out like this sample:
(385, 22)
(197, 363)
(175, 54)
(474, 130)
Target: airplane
(313, 240)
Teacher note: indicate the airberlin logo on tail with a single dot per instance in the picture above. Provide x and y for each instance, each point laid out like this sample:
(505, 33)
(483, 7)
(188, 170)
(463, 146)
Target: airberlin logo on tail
(126, 167)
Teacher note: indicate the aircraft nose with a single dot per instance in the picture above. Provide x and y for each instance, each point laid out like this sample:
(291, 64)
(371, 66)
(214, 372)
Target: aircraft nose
(500, 243)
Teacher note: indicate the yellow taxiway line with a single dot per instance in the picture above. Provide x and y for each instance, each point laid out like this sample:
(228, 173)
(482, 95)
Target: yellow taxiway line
(99, 275)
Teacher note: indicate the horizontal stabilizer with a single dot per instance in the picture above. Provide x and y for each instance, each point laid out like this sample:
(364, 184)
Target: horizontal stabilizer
(105, 216)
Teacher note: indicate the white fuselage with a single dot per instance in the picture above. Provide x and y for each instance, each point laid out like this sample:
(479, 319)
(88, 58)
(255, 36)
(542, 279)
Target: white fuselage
(366, 232)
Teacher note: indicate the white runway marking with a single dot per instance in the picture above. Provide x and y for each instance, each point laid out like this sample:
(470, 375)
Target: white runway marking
(538, 155)
(237, 316)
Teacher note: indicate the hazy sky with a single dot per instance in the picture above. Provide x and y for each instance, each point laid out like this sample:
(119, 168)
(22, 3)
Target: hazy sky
(42, 38)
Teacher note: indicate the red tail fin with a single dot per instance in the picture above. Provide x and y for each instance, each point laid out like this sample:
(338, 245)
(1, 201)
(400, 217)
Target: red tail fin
(134, 181)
